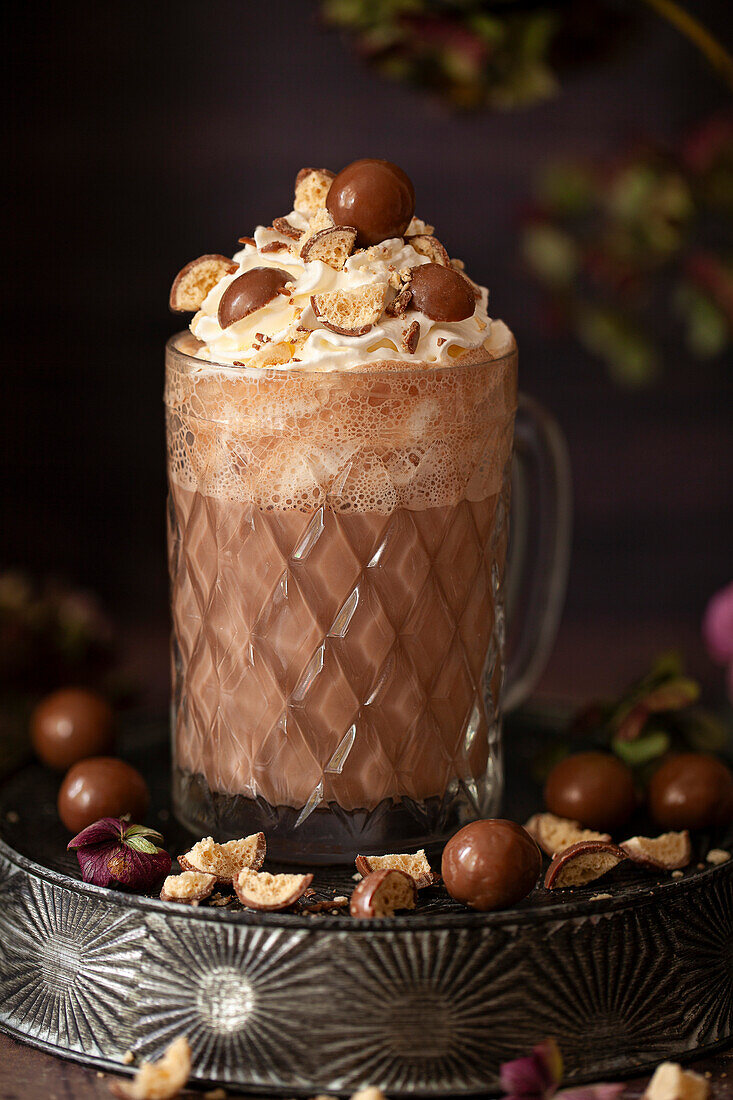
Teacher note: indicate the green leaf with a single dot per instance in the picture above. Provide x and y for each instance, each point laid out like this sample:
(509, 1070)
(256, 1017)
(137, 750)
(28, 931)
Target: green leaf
(141, 844)
(145, 831)
(651, 744)
(551, 254)
(674, 695)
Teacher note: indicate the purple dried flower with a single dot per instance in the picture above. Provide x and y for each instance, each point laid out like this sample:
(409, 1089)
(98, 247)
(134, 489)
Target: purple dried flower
(537, 1075)
(717, 626)
(592, 1092)
(111, 852)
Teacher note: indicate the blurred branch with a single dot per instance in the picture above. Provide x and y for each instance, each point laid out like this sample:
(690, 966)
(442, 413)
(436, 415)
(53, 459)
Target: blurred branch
(699, 35)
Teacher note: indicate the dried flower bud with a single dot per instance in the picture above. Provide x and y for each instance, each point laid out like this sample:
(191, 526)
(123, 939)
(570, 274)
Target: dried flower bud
(111, 852)
(537, 1075)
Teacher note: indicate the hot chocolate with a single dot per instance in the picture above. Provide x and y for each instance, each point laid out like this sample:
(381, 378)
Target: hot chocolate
(337, 527)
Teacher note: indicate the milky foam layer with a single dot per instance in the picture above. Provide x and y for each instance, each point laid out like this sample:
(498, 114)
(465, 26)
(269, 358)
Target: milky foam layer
(287, 329)
(389, 436)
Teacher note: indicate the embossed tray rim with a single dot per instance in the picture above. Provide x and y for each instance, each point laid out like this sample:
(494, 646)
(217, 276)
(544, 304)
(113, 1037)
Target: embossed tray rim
(637, 894)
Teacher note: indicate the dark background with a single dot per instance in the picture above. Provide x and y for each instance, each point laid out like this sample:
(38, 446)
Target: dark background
(146, 134)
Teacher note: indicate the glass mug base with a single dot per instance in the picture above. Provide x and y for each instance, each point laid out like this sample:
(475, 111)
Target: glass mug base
(330, 834)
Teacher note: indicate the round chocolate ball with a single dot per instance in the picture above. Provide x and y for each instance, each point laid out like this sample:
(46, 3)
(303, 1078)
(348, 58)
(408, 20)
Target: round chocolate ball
(594, 788)
(249, 292)
(441, 293)
(691, 791)
(101, 787)
(375, 197)
(70, 725)
(491, 864)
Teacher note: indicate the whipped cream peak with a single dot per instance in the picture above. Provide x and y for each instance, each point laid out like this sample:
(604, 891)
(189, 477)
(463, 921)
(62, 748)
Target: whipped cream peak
(342, 306)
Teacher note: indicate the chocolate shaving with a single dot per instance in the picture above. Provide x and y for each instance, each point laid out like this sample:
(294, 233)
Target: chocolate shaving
(411, 338)
(282, 225)
(399, 305)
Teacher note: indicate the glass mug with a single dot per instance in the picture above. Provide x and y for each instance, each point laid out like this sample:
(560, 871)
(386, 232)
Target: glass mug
(337, 547)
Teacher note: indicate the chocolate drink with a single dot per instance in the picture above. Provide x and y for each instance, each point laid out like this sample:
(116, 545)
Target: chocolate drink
(339, 438)
(337, 629)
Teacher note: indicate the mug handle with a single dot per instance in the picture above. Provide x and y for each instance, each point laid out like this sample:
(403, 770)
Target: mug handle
(539, 547)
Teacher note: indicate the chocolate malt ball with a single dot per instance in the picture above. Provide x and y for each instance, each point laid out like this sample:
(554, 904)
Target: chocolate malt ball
(101, 787)
(69, 726)
(375, 197)
(594, 788)
(441, 293)
(692, 790)
(491, 864)
(249, 292)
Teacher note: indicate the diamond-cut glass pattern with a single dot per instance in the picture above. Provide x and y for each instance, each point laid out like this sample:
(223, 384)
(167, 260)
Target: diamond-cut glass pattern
(328, 658)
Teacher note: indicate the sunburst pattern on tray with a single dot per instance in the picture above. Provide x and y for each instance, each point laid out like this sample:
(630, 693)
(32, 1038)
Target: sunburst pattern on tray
(231, 991)
(705, 937)
(425, 1015)
(67, 973)
(611, 980)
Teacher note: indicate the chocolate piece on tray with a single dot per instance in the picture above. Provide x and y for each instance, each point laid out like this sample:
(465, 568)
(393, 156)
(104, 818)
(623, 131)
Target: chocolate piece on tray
(350, 312)
(441, 293)
(582, 863)
(311, 188)
(101, 786)
(376, 197)
(71, 725)
(691, 791)
(595, 788)
(261, 890)
(249, 292)
(667, 852)
(225, 861)
(332, 246)
(189, 888)
(381, 893)
(194, 281)
(416, 866)
(491, 864)
(554, 834)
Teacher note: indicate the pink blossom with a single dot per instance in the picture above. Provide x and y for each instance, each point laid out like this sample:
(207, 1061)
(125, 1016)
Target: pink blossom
(717, 626)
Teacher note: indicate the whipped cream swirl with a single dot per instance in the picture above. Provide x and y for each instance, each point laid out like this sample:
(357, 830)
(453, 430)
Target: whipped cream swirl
(286, 332)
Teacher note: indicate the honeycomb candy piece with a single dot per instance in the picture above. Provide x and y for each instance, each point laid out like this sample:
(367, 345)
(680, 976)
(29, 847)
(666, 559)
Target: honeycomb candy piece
(161, 1080)
(261, 890)
(194, 281)
(350, 312)
(189, 888)
(311, 188)
(416, 866)
(225, 860)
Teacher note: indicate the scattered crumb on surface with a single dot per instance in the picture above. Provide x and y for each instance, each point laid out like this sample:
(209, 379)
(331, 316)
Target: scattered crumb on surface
(128, 1058)
(356, 877)
(600, 897)
(678, 874)
(717, 856)
(12, 817)
(160, 1080)
(671, 1082)
(215, 1094)
(701, 866)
